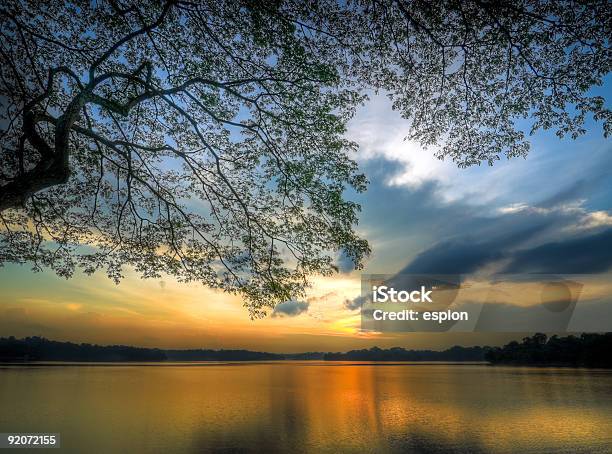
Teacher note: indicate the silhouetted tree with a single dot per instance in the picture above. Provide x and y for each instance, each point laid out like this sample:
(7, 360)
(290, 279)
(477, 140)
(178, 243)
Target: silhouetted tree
(205, 139)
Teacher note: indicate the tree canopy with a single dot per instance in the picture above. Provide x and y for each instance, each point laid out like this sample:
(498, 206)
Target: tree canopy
(206, 139)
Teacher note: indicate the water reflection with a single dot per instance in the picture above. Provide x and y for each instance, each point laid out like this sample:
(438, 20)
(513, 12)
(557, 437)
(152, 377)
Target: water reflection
(311, 407)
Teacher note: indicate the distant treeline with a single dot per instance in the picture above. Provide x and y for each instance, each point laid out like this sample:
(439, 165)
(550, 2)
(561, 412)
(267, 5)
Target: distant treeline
(41, 349)
(591, 350)
(455, 353)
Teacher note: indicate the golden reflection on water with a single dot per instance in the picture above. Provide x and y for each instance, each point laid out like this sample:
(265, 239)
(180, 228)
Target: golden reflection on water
(311, 407)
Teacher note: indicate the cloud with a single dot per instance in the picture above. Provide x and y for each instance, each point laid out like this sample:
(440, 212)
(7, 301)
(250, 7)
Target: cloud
(291, 308)
(596, 219)
(521, 238)
(491, 241)
(582, 254)
(454, 257)
(354, 304)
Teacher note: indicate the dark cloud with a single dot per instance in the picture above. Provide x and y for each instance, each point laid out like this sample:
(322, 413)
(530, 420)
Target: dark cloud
(533, 239)
(354, 304)
(453, 257)
(291, 308)
(488, 242)
(584, 254)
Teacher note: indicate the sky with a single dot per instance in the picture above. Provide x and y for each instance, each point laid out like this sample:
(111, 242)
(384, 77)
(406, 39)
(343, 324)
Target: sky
(548, 213)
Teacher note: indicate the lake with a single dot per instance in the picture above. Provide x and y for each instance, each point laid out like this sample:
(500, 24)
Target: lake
(310, 407)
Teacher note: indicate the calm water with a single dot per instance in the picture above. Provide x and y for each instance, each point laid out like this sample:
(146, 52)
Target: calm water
(311, 407)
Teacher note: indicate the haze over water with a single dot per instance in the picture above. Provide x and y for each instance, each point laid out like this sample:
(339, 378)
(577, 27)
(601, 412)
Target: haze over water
(311, 407)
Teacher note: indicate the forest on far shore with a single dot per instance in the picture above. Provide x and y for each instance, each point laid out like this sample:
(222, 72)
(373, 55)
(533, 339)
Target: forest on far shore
(586, 350)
